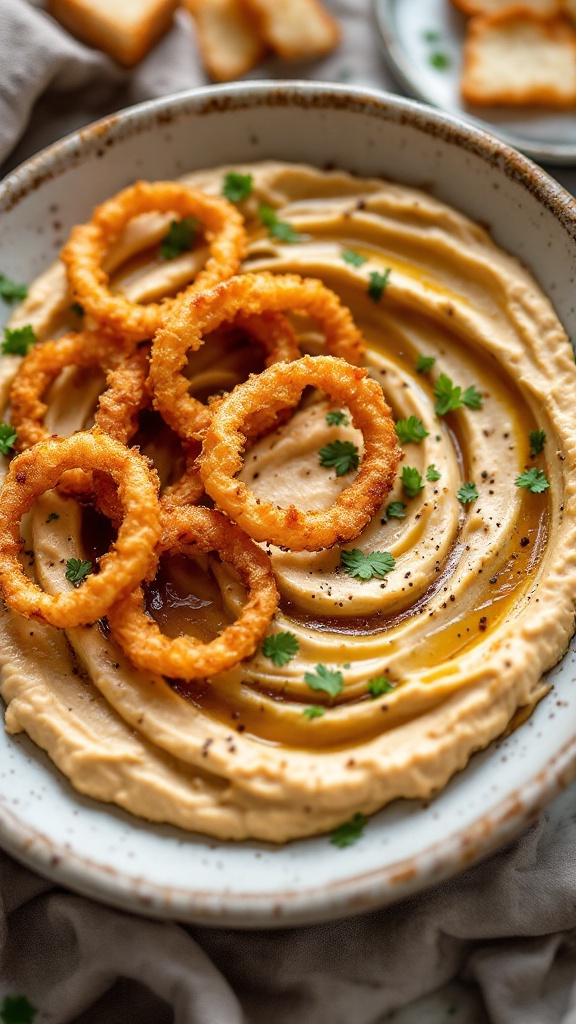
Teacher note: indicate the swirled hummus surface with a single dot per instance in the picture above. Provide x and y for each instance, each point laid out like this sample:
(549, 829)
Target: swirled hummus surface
(479, 604)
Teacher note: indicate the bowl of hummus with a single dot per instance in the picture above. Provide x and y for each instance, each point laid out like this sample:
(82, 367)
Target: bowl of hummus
(409, 708)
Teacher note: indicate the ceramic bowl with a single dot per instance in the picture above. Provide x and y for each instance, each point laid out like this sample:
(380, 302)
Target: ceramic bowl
(97, 849)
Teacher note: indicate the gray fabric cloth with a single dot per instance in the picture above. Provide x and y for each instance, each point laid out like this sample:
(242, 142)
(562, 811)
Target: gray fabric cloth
(495, 944)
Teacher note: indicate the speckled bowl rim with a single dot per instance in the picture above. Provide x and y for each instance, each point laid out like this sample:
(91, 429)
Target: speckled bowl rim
(360, 891)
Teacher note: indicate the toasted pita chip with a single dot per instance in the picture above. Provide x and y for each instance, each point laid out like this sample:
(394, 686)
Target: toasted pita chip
(229, 43)
(540, 8)
(126, 29)
(520, 60)
(294, 28)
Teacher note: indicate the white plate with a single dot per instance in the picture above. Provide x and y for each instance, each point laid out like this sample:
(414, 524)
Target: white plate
(99, 850)
(412, 32)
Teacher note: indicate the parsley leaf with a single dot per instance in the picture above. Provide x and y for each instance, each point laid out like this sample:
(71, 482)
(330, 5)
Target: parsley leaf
(279, 229)
(537, 440)
(379, 685)
(431, 36)
(349, 832)
(432, 474)
(448, 397)
(356, 259)
(342, 455)
(314, 711)
(280, 647)
(10, 291)
(52, 517)
(179, 238)
(363, 567)
(17, 1010)
(411, 429)
(467, 493)
(424, 363)
(7, 437)
(237, 187)
(337, 418)
(439, 60)
(534, 480)
(472, 398)
(412, 481)
(325, 680)
(396, 510)
(18, 340)
(77, 570)
(377, 284)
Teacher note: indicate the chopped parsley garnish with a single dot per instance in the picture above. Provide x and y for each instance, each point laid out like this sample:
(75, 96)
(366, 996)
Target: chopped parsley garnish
(179, 238)
(237, 187)
(467, 493)
(472, 398)
(18, 340)
(396, 510)
(279, 229)
(363, 567)
(340, 455)
(326, 680)
(52, 517)
(280, 647)
(450, 397)
(432, 474)
(379, 685)
(349, 832)
(10, 291)
(337, 418)
(7, 437)
(412, 481)
(439, 60)
(377, 284)
(17, 1010)
(356, 259)
(411, 429)
(537, 440)
(77, 309)
(77, 570)
(534, 480)
(431, 36)
(314, 711)
(424, 363)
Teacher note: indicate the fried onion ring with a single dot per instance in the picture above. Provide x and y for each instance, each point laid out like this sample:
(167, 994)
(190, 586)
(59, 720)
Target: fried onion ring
(39, 469)
(86, 249)
(40, 368)
(246, 294)
(279, 386)
(204, 530)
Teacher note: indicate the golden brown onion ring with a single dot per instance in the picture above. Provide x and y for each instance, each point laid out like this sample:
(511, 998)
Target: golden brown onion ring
(204, 530)
(248, 295)
(278, 387)
(40, 368)
(129, 560)
(89, 243)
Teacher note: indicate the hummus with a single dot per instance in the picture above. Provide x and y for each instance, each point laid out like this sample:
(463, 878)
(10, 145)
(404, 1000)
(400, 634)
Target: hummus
(480, 602)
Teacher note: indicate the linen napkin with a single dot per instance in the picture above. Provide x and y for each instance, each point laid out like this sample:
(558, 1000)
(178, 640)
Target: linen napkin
(496, 944)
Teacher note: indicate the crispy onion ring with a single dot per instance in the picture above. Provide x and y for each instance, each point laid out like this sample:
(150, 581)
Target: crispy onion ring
(88, 245)
(248, 295)
(37, 470)
(279, 386)
(186, 657)
(40, 368)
